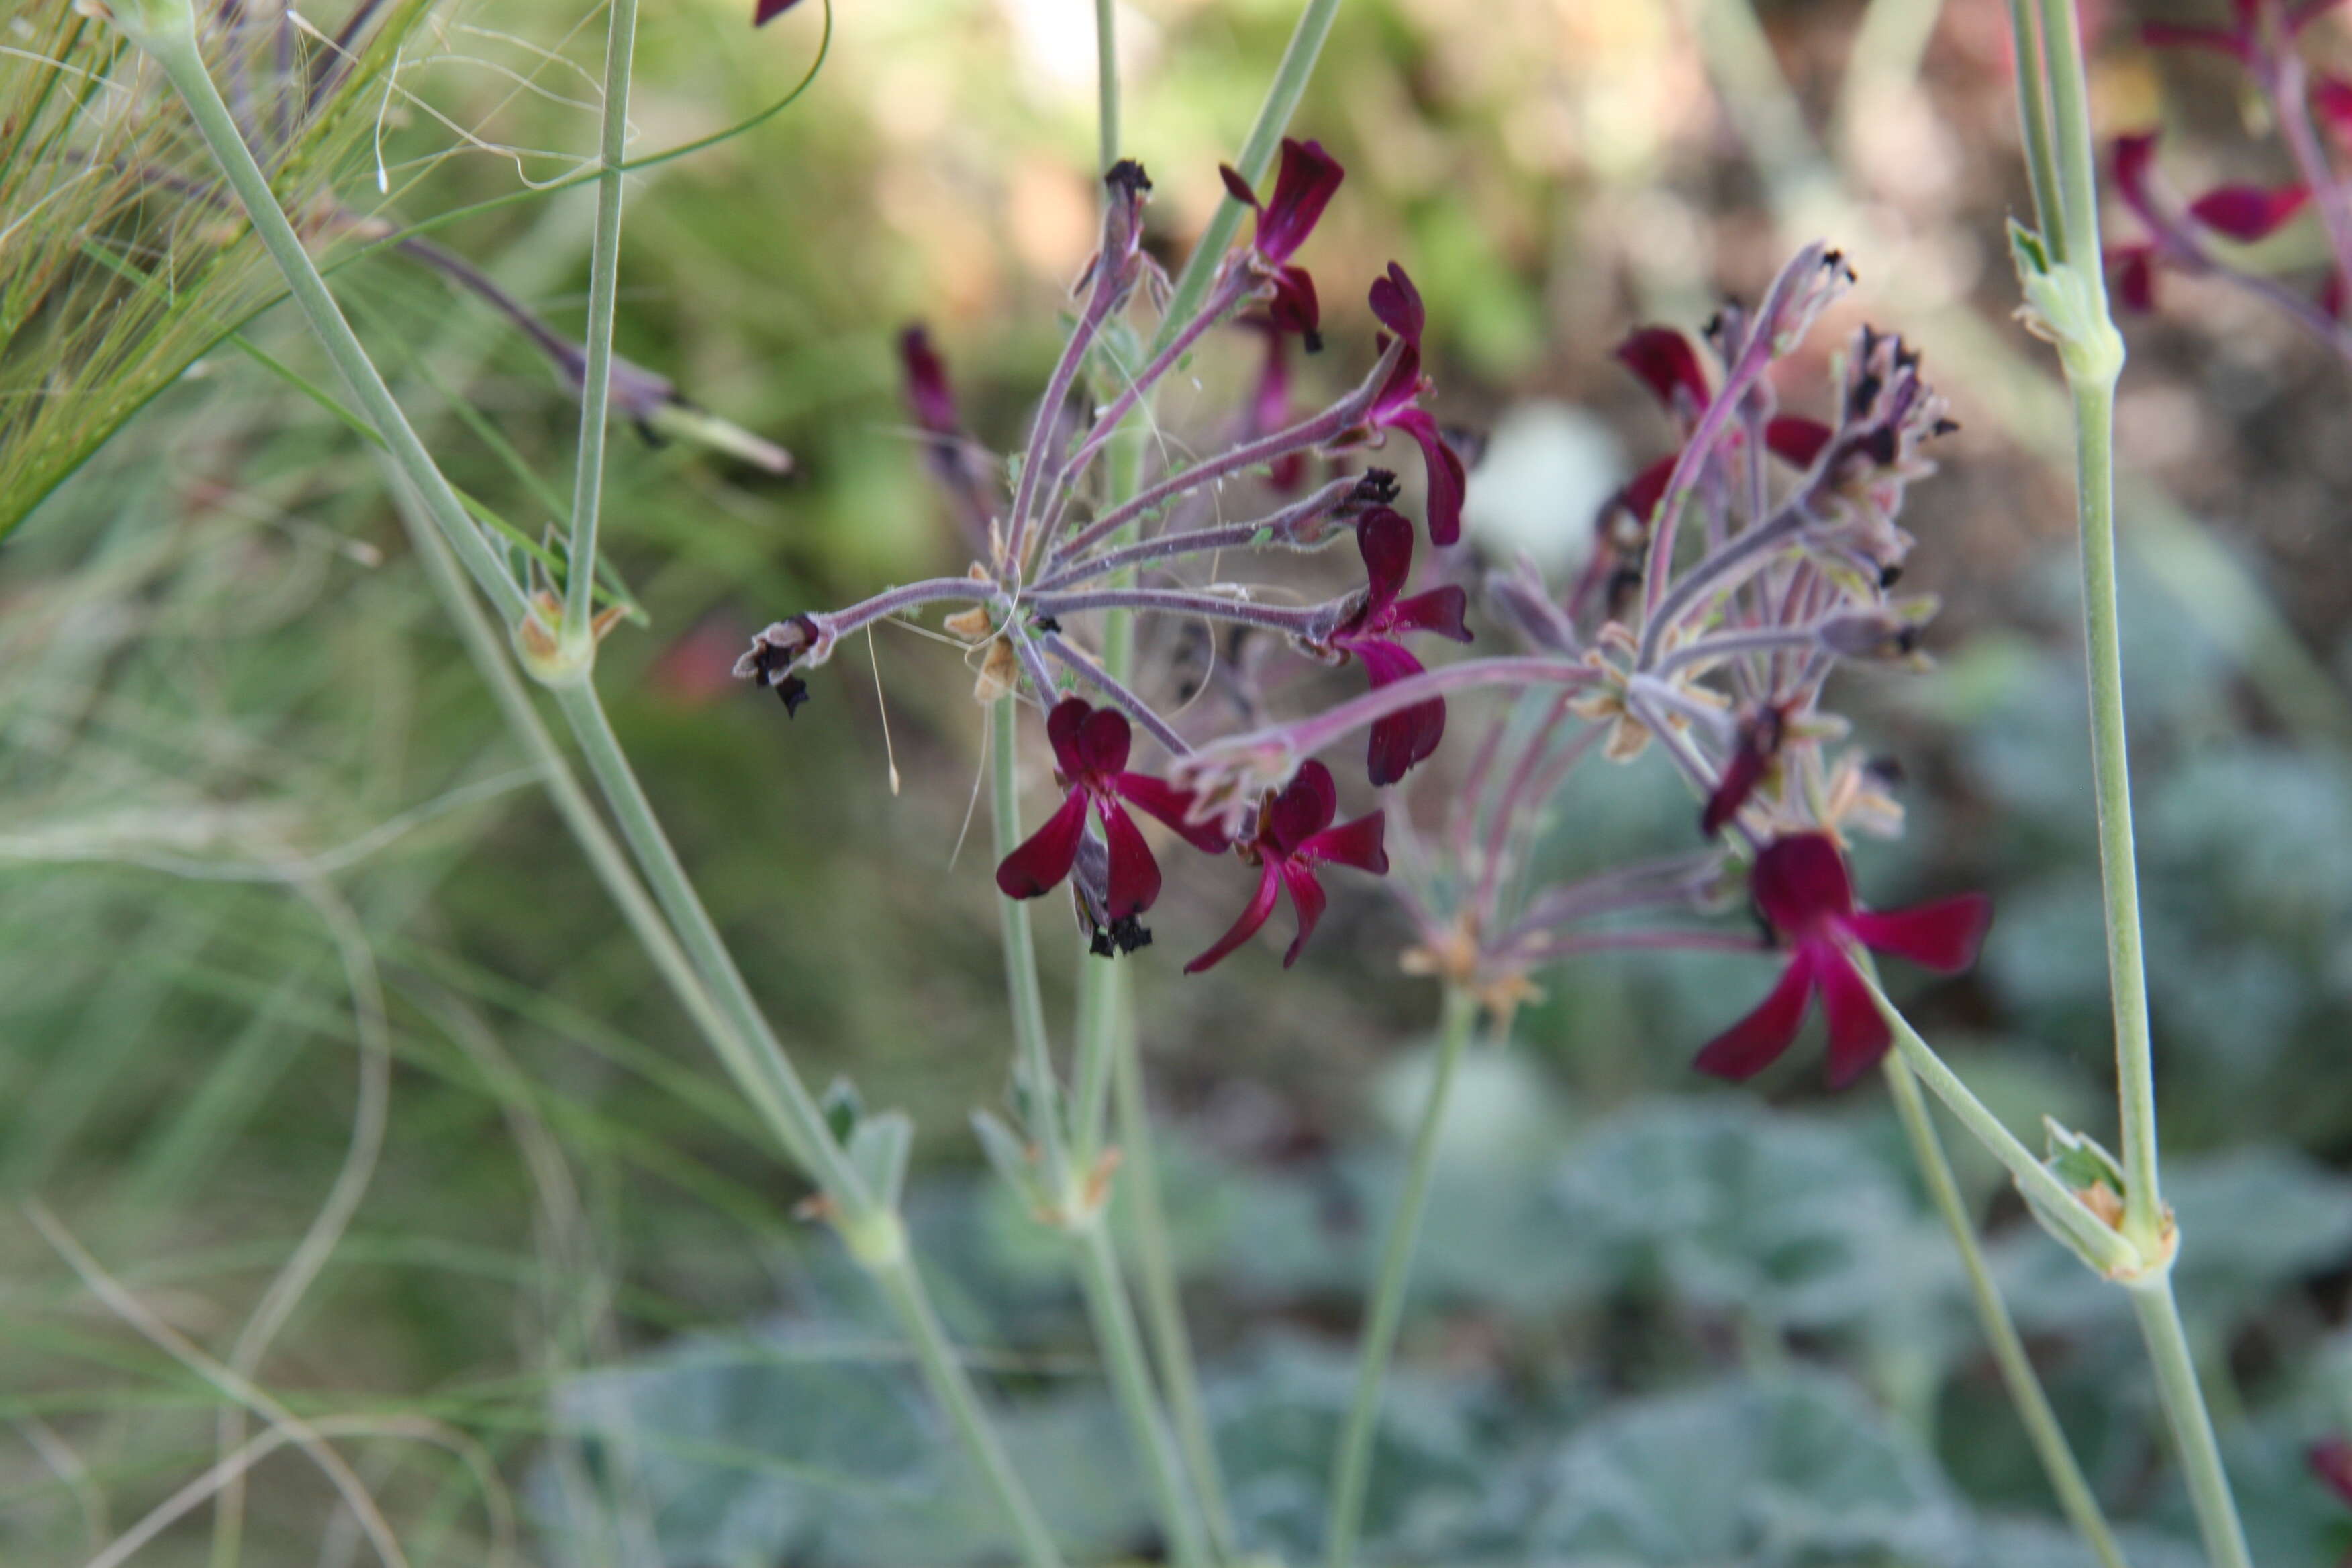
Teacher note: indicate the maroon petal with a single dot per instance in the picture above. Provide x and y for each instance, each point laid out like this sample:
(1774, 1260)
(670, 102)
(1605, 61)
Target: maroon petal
(1384, 539)
(1765, 1034)
(1294, 308)
(1800, 880)
(1134, 881)
(1237, 187)
(1858, 1034)
(1307, 179)
(1667, 364)
(926, 383)
(1397, 304)
(2332, 97)
(1362, 844)
(1405, 738)
(1741, 774)
(1039, 862)
(1645, 490)
(1253, 916)
(1449, 482)
(2135, 270)
(1169, 804)
(1103, 742)
(2249, 213)
(1063, 724)
(2331, 1461)
(1307, 898)
(1943, 936)
(1796, 440)
(2134, 156)
(1440, 610)
(1304, 808)
(768, 11)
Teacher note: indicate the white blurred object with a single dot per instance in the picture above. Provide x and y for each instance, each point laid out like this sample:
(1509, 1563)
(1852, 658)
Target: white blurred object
(1548, 468)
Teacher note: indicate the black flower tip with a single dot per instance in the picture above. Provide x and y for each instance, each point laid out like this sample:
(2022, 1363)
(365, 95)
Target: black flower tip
(793, 691)
(1128, 178)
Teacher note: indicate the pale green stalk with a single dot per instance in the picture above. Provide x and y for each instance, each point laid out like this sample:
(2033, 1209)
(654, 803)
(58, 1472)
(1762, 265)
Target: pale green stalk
(692, 955)
(1107, 1047)
(604, 294)
(1041, 1113)
(1130, 1375)
(2071, 300)
(2075, 1499)
(1351, 1467)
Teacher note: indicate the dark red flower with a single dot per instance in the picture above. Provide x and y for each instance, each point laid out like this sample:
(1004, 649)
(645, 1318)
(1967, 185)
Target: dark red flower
(2249, 213)
(768, 11)
(1800, 888)
(1295, 835)
(1303, 187)
(1761, 737)
(1269, 409)
(928, 396)
(2331, 96)
(2331, 1460)
(1397, 305)
(1090, 747)
(2133, 156)
(1795, 439)
(1645, 490)
(1670, 367)
(1398, 742)
(2134, 266)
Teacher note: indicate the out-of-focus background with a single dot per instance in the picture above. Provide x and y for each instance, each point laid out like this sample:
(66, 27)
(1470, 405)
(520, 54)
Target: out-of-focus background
(293, 950)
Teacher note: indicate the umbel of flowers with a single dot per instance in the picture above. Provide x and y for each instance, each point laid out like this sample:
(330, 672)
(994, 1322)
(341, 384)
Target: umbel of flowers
(1726, 583)
(1056, 554)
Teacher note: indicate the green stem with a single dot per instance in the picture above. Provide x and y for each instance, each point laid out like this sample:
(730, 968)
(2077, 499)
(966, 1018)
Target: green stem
(2192, 1428)
(2070, 124)
(2091, 1237)
(1107, 81)
(2034, 121)
(1163, 1305)
(1041, 1113)
(603, 291)
(1258, 148)
(2058, 1463)
(687, 947)
(1351, 1466)
(1130, 1376)
(176, 53)
(2094, 406)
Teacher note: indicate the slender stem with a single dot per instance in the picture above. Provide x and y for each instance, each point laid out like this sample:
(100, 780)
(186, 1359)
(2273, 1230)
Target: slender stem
(176, 54)
(1282, 96)
(603, 293)
(1122, 696)
(1163, 1307)
(2070, 123)
(2111, 772)
(1304, 622)
(2049, 1438)
(1107, 83)
(2033, 120)
(902, 1286)
(2192, 1428)
(1351, 1466)
(2092, 1237)
(1042, 1115)
(1113, 1316)
(1276, 530)
(2289, 81)
(686, 945)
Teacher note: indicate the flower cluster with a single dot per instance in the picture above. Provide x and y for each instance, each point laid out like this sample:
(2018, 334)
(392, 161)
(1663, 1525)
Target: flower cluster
(1726, 583)
(1056, 553)
(2311, 111)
